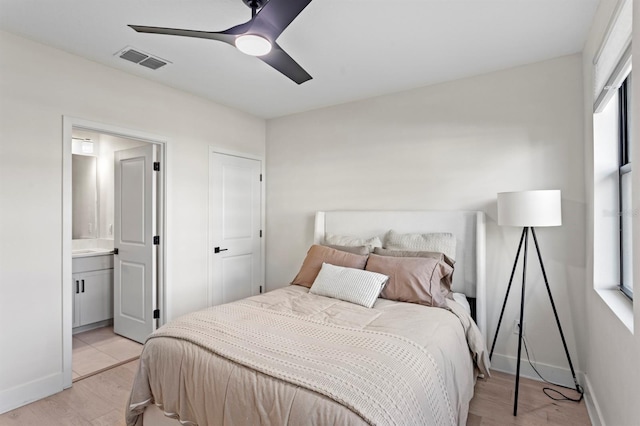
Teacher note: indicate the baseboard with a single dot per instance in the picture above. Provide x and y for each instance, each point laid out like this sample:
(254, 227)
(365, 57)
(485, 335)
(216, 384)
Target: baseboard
(92, 326)
(29, 392)
(552, 373)
(595, 414)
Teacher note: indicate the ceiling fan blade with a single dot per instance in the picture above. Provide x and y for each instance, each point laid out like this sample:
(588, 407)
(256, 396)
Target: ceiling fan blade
(220, 36)
(281, 61)
(276, 15)
(239, 29)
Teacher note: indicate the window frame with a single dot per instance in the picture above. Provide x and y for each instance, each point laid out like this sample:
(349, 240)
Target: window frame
(624, 167)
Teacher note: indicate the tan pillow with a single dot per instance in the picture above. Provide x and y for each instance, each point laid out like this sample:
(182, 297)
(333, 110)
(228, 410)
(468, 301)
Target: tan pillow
(317, 255)
(446, 281)
(411, 279)
(361, 250)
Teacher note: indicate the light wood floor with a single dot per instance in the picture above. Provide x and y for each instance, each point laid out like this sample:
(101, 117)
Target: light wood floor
(492, 404)
(100, 400)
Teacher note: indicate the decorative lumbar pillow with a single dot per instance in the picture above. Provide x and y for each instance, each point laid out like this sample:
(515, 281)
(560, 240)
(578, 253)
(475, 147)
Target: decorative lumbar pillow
(317, 255)
(348, 284)
(443, 242)
(348, 240)
(361, 250)
(447, 280)
(412, 279)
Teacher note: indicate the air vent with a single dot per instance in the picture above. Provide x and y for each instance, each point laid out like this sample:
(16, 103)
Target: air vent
(153, 63)
(133, 56)
(141, 58)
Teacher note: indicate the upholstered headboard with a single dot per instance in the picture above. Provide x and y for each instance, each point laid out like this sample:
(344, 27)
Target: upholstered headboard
(467, 226)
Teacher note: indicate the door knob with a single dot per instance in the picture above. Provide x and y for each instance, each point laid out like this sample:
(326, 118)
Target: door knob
(218, 250)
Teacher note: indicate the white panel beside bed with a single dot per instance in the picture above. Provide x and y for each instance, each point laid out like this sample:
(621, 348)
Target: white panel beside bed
(467, 226)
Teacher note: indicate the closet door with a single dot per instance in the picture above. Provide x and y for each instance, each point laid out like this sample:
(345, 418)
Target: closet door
(235, 218)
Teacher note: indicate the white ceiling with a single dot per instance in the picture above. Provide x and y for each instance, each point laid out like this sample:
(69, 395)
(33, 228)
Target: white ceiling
(354, 49)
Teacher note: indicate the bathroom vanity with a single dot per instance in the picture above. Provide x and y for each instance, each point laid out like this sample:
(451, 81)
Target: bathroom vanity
(92, 288)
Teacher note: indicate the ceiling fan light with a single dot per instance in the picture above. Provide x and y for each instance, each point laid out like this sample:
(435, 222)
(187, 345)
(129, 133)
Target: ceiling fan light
(253, 45)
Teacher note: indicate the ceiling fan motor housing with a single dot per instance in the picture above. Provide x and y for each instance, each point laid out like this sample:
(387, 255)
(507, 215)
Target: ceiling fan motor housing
(257, 4)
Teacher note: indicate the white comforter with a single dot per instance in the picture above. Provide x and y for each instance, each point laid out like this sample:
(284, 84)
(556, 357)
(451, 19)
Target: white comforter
(289, 357)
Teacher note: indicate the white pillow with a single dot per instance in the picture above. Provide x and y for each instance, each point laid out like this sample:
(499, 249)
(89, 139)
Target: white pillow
(441, 242)
(350, 241)
(349, 284)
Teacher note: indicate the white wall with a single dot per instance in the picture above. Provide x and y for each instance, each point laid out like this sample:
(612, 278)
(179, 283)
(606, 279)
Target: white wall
(612, 351)
(38, 85)
(449, 146)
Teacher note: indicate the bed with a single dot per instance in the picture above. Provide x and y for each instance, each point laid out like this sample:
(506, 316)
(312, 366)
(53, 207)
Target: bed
(293, 356)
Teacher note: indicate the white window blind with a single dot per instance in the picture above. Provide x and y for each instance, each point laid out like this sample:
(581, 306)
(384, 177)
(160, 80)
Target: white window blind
(612, 62)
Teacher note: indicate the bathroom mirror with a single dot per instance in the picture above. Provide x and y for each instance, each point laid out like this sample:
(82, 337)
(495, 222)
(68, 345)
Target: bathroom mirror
(84, 183)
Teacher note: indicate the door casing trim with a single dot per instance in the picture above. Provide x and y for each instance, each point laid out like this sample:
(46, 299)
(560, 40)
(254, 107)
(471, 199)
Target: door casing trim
(68, 124)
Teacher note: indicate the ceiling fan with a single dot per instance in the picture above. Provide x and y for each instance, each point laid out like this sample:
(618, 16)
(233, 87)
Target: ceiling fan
(257, 37)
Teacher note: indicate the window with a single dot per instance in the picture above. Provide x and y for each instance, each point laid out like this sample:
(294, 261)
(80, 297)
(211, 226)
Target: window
(624, 190)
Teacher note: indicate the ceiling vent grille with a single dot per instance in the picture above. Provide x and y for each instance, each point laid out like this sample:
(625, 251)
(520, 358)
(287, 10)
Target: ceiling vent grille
(152, 63)
(141, 58)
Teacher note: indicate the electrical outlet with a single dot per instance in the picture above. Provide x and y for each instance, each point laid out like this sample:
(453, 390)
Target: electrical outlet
(516, 329)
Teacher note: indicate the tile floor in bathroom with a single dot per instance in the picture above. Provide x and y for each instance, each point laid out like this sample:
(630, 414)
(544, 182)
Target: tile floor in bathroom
(100, 349)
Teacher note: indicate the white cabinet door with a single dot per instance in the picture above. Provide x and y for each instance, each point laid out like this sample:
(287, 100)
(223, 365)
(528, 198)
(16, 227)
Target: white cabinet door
(92, 297)
(96, 290)
(235, 209)
(75, 282)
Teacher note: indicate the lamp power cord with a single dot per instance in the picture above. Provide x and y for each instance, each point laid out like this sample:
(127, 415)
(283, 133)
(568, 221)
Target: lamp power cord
(547, 391)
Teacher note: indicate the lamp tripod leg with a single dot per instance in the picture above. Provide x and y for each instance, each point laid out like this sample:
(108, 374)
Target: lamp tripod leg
(506, 296)
(555, 312)
(524, 276)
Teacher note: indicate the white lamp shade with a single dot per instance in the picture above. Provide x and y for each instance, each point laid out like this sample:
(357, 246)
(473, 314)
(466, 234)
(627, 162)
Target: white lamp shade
(530, 208)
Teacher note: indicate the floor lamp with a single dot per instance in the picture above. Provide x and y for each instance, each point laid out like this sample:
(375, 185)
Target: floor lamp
(529, 209)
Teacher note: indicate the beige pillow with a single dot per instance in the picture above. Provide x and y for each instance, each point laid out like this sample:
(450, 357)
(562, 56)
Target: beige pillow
(348, 240)
(411, 279)
(317, 255)
(447, 280)
(442, 242)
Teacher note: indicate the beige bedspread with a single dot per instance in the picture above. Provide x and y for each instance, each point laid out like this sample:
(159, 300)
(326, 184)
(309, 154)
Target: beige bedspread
(289, 357)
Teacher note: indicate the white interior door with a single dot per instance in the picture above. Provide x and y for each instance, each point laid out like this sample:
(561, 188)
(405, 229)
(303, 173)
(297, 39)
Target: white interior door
(135, 264)
(235, 217)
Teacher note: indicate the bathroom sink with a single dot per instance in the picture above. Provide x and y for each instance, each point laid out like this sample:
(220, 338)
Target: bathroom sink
(90, 252)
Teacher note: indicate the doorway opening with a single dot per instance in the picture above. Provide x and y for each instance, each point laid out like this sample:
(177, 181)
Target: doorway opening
(97, 188)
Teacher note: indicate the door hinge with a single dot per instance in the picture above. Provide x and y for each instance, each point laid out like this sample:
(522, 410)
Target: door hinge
(260, 177)
(156, 166)
(260, 289)
(156, 240)
(156, 314)
(261, 233)
(115, 251)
